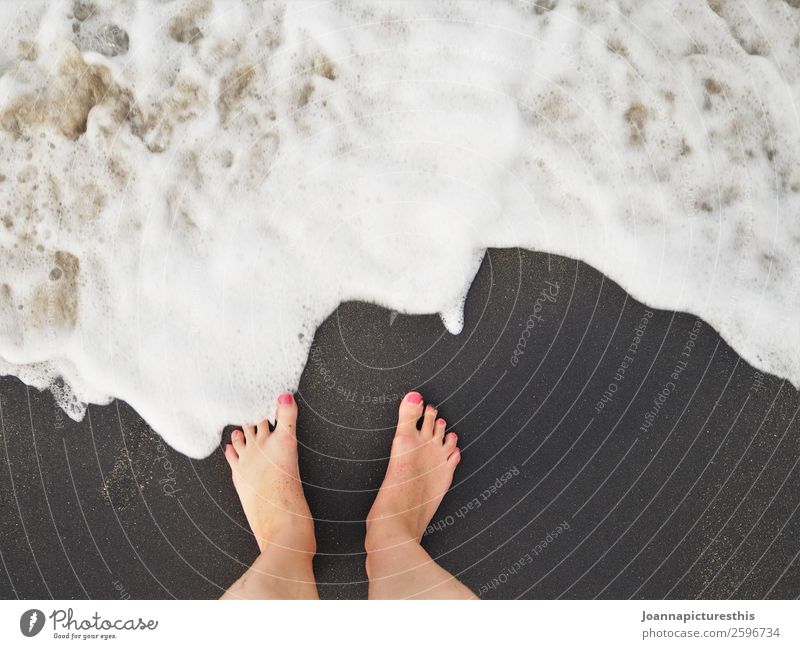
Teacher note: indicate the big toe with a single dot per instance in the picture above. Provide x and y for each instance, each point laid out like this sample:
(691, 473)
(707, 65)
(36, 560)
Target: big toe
(410, 412)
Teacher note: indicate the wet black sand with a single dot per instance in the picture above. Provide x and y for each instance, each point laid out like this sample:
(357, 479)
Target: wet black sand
(553, 498)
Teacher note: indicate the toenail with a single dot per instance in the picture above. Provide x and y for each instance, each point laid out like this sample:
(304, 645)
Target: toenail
(414, 397)
(286, 398)
(441, 422)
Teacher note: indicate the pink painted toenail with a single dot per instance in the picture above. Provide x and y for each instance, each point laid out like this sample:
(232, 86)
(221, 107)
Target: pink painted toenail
(286, 399)
(441, 422)
(414, 397)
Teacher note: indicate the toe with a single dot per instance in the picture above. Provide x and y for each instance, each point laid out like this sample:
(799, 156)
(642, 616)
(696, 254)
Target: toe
(287, 415)
(438, 429)
(454, 457)
(450, 441)
(410, 412)
(429, 422)
(249, 433)
(262, 430)
(231, 455)
(237, 440)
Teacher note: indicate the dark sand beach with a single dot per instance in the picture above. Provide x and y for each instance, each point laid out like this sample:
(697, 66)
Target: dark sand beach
(683, 484)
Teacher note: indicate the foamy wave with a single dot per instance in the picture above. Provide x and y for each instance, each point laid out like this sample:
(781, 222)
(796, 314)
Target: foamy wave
(188, 189)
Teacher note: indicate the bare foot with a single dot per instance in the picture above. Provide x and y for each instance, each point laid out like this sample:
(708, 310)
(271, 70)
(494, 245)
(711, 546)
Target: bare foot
(420, 472)
(267, 478)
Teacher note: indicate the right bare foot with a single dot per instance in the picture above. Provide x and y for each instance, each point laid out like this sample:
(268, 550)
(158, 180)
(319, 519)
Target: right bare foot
(267, 478)
(420, 472)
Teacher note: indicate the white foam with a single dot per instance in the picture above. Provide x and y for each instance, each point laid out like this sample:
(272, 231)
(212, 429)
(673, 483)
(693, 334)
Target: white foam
(182, 208)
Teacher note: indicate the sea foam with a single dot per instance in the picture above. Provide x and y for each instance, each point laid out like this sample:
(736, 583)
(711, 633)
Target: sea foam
(187, 189)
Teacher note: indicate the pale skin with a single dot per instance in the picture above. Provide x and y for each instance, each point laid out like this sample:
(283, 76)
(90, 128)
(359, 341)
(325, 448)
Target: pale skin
(266, 475)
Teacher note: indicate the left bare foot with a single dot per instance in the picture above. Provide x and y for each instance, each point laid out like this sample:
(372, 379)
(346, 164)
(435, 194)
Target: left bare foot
(420, 472)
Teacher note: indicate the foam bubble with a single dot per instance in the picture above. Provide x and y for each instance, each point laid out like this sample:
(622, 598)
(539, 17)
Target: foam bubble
(188, 189)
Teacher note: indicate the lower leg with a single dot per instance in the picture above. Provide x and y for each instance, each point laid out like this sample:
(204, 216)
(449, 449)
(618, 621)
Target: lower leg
(420, 472)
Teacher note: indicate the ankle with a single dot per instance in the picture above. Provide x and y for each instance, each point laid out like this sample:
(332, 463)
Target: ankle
(392, 555)
(387, 534)
(288, 546)
(294, 535)
(287, 561)
(278, 573)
